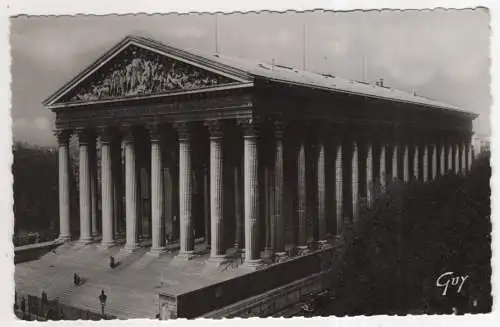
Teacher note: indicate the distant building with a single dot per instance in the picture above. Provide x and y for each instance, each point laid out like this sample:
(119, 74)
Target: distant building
(480, 144)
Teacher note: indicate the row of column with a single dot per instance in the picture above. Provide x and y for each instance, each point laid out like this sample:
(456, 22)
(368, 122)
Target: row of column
(364, 151)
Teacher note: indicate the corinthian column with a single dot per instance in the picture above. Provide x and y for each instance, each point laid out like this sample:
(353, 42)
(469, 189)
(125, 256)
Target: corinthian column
(463, 155)
(416, 159)
(425, 163)
(118, 186)
(442, 161)
(158, 237)
(457, 158)
(469, 156)
(217, 251)
(252, 251)
(369, 172)
(130, 191)
(434, 161)
(93, 184)
(237, 205)
(395, 161)
(406, 164)
(450, 156)
(107, 188)
(278, 215)
(320, 181)
(185, 192)
(64, 205)
(354, 180)
(85, 200)
(302, 196)
(382, 172)
(339, 183)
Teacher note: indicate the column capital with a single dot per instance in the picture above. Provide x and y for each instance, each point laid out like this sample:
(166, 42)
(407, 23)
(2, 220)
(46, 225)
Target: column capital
(353, 133)
(366, 137)
(250, 126)
(63, 135)
(155, 131)
(128, 133)
(382, 134)
(85, 136)
(279, 128)
(215, 128)
(337, 131)
(106, 134)
(184, 129)
(320, 130)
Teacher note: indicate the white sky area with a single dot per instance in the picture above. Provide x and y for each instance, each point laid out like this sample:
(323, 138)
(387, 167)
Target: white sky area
(441, 54)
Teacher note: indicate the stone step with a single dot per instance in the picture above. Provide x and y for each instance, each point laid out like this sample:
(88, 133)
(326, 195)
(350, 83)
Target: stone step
(132, 287)
(121, 302)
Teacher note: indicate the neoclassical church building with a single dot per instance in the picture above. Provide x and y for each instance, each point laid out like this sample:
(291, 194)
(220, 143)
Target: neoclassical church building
(213, 158)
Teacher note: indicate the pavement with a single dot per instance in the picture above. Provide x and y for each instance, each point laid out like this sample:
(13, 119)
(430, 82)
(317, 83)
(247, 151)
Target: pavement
(132, 287)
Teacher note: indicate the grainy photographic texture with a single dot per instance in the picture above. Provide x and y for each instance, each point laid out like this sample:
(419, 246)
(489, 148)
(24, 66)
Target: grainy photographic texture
(251, 164)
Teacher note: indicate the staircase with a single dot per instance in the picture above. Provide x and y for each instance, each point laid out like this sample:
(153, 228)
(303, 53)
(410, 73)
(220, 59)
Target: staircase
(131, 287)
(122, 302)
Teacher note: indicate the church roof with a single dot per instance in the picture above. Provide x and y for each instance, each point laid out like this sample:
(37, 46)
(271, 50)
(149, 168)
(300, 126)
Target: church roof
(247, 70)
(291, 75)
(330, 82)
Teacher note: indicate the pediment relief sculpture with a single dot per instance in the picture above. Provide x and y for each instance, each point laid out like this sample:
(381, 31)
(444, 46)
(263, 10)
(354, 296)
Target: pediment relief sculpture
(137, 71)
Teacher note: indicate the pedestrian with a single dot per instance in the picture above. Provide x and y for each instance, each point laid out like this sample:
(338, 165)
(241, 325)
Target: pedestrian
(102, 299)
(111, 262)
(75, 279)
(23, 306)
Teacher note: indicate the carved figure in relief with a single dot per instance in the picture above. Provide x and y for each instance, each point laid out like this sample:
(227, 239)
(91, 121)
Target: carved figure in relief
(140, 72)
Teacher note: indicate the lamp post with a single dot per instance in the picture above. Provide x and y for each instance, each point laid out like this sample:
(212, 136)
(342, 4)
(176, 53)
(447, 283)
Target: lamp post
(102, 299)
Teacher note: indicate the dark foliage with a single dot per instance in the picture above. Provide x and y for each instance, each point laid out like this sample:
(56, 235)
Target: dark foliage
(396, 251)
(35, 193)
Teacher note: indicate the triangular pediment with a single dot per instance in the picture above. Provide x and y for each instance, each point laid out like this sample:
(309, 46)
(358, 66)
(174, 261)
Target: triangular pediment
(142, 68)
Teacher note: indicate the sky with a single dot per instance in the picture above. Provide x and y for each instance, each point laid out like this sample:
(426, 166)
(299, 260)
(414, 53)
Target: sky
(440, 54)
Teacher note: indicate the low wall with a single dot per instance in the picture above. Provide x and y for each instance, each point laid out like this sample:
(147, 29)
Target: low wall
(35, 309)
(32, 252)
(202, 301)
(269, 303)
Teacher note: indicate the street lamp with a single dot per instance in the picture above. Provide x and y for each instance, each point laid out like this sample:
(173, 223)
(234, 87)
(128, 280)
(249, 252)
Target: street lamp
(102, 299)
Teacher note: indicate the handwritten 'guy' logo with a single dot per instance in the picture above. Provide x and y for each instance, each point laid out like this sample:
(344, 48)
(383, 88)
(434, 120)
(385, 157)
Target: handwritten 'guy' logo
(448, 279)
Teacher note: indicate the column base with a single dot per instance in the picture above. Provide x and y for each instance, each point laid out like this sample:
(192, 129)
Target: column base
(323, 245)
(95, 234)
(312, 245)
(268, 254)
(303, 250)
(254, 264)
(156, 252)
(185, 255)
(106, 245)
(85, 240)
(280, 257)
(216, 260)
(64, 238)
(130, 248)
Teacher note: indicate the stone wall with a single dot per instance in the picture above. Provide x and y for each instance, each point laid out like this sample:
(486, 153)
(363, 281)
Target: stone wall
(32, 252)
(276, 300)
(302, 270)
